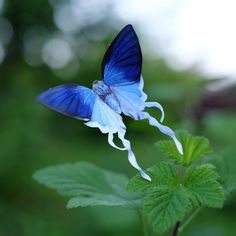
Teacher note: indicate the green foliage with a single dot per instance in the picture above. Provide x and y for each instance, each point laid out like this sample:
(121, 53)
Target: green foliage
(205, 190)
(194, 148)
(170, 195)
(165, 205)
(88, 185)
(226, 167)
(166, 201)
(179, 185)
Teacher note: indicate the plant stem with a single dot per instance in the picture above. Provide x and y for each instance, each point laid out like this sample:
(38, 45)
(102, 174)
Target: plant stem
(189, 219)
(143, 226)
(176, 229)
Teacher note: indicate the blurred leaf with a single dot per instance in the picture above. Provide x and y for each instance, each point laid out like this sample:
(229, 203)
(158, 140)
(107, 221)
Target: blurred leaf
(194, 148)
(226, 167)
(202, 182)
(165, 205)
(88, 185)
(167, 92)
(220, 127)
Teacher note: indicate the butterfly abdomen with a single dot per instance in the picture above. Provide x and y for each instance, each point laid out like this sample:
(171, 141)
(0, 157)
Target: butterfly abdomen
(112, 102)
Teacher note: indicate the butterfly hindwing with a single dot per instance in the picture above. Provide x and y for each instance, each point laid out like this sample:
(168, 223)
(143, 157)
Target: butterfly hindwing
(131, 98)
(72, 100)
(105, 118)
(122, 62)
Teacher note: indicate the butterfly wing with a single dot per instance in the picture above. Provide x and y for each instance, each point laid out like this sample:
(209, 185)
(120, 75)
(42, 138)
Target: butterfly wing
(122, 62)
(81, 102)
(108, 121)
(105, 118)
(121, 68)
(71, 100)
(131, 98)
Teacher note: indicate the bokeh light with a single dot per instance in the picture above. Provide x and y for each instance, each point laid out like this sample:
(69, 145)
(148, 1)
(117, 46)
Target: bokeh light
(57, 53)
(34, 39)
(72, 16)
(1, 5)
(6, 30)
(187, 33)
(67, 18)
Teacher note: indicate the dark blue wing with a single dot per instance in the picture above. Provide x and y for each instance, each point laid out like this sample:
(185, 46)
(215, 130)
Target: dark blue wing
(122, 62)
(71, 100)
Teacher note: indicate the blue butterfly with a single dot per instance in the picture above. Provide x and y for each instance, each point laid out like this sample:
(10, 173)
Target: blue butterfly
(120, 91)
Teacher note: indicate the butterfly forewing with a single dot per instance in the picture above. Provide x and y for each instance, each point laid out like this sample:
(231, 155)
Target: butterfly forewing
(122, 62)
(71, 100)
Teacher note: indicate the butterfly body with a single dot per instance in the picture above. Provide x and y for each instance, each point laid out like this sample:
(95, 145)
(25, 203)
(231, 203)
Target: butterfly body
(106, 95)
(120, 91)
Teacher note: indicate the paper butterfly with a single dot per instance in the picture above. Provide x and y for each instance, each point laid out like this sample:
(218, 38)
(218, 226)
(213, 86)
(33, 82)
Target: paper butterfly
(119, 91)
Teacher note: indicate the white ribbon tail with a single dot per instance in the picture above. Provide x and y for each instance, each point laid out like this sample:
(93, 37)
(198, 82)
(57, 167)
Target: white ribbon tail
(158, 106)
(131, 156)
(164, 129)
(110, 141)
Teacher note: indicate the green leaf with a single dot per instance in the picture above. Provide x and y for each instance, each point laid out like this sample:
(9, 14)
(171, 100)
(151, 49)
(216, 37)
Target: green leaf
(166, 201)
(174, 191)
(88, 185)
(194, 148)
(201, 182)
(162, 174)
(165, 206)
(226, 167)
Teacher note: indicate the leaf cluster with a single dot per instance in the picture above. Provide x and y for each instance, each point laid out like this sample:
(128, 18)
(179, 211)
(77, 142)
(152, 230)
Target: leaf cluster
(170, 197)
(180, 184)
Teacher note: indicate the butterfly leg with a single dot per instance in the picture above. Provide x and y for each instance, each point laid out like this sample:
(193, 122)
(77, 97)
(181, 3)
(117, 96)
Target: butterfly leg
(131, 156)
(164, 129)
(158, 106)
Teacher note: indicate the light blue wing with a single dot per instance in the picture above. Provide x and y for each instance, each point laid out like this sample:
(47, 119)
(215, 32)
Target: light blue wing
(132, 102)
(108, 121)
(122, 62)
(105, 118)
(71, 100)
(131, 98)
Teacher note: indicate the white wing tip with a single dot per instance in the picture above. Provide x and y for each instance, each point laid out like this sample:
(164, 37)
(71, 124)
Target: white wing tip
(179, 147)
(145, 176)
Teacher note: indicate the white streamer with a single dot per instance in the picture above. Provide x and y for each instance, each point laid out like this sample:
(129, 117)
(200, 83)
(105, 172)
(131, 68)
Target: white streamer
(164, 129)
(131, 156)
(110, 141)
(158, 106)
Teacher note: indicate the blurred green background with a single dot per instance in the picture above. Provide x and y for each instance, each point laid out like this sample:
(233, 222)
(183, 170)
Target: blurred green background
(39, 50)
